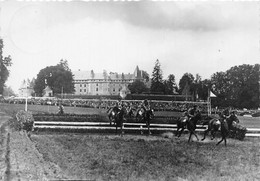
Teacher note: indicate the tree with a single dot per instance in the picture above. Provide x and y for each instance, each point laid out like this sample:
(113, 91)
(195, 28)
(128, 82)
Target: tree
(5, 62)
(8, 91)
(238, 86)
(58, 78)
(145, 76)
(203, 88)
(64, 64)
(170, 85)
(186, 82)
(157, 79)
(195, 87)
(137, 87)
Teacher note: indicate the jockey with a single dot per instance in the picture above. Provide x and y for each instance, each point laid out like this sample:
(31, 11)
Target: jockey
(191, 112)
(225, 114)
(61, 109)
(117, 107)
(145, 105)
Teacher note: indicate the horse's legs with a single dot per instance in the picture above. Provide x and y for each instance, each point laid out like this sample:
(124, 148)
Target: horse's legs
(190, 136)
(109, 120)
(193, 132)
(148, 126)
(223, 138)
(205, 134)
(121, 127)
(196, 136)
(181, 132)
(212, 134)
(177, 131)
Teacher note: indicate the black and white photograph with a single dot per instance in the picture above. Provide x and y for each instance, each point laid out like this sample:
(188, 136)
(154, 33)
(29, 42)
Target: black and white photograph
(129, 90)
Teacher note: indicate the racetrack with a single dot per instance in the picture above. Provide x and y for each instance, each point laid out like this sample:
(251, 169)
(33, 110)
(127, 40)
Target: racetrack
(131, 157)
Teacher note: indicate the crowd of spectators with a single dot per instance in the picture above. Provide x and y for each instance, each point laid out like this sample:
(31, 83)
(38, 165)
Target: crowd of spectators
(107, 103)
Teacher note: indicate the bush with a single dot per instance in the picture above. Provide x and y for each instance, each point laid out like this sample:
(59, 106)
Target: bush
(25, 120)
(67, 117)
(238, 132)
(257, 114)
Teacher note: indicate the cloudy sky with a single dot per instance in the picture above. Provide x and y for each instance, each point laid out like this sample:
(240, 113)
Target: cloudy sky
(195, 37)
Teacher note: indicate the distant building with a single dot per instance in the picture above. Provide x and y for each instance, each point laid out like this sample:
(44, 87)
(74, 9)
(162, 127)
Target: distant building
(47, 92)
(25, 90)
(91, 83)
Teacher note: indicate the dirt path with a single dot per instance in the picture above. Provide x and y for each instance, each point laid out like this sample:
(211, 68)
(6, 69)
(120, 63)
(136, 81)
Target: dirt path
(19, 159)
(4, 148)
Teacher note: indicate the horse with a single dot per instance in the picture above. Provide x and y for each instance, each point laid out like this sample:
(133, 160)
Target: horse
(145, 116)
(222, 125)
(214, 125)
(111, 115)
(130, 112)
(181, 124)
(191, 125)
(120, 118)
(226, 125)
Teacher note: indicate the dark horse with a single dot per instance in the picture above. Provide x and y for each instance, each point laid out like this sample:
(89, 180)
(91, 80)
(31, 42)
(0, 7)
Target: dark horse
(112, 115)
(191, 125)
(130, 112)
(120, 118)
(145, 116)
(222, 125)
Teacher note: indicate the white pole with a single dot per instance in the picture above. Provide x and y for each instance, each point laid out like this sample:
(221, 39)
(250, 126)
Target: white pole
(26, 98)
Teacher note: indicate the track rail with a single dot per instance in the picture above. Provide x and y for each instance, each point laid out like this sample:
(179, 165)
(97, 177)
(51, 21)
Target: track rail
(38, 125)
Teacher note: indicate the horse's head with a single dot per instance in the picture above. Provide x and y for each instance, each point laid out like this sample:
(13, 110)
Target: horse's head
(198, 115)
(234, 118)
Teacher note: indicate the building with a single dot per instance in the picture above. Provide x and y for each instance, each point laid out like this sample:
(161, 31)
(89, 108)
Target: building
(91, 83)
(47, 92)
(25, 89)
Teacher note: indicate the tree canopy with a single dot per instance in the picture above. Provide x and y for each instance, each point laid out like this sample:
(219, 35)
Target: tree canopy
(157, 78)
(59, 78)
(170, 86)
(5, 62)
(238, 86)
(137, 87)
(186, 82)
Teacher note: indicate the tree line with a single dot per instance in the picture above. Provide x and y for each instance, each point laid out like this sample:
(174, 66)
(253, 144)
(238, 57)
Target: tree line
(238, 86)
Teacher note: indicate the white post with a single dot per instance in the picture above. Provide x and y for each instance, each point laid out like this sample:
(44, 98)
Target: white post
(26, 97)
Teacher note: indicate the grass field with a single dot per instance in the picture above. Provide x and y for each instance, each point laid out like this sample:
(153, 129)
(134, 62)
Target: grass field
(109, 157)
(137, 157)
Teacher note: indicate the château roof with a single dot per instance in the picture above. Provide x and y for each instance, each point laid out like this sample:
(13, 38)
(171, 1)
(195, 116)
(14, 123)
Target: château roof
(84, 75)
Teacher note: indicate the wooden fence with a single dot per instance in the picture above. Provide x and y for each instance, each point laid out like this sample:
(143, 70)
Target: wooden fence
(90, 126)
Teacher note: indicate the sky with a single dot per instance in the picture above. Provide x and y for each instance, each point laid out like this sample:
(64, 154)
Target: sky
(197, 37)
